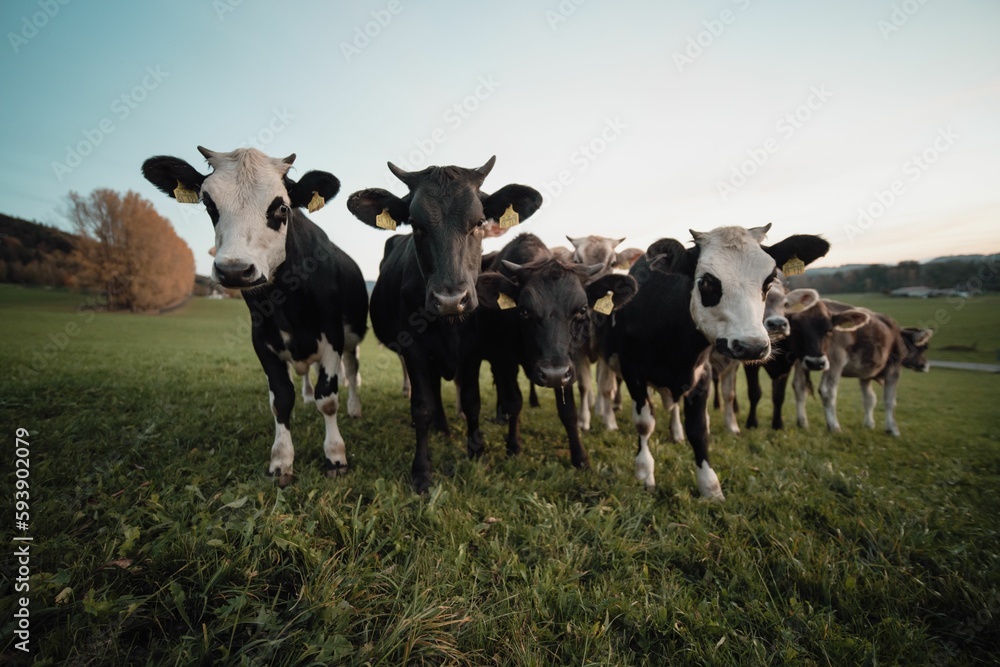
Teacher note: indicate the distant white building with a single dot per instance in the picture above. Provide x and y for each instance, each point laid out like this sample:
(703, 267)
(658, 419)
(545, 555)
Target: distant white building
(917, 292)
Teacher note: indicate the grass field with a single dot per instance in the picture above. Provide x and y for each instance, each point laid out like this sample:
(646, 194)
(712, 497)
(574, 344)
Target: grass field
(158, 539)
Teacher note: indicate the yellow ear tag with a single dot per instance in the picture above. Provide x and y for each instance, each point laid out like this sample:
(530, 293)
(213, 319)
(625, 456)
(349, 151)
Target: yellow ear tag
(794, 267)
(505, 302)
(605, 304)
(316, 203)
(384, 221)
(510, 218)
(185, 196)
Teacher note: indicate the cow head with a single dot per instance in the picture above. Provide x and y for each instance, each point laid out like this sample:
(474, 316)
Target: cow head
(250, 200)
(775, 303)
(813, 325)
(553, 303)
(590, 250)
(732, 274)
(917, 341)
(447, 211)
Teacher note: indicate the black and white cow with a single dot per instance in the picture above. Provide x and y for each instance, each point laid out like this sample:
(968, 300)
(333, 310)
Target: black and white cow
(869, 347)
(534, 313)
(427, 281)
(690, 302)
(307, 298)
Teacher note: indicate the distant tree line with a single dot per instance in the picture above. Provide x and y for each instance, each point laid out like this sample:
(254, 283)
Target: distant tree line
(122, 249)
(963, 274)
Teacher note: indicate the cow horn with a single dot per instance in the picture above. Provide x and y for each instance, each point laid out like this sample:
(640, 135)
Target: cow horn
(760, 233)
(289, 160)
(594, 269)
(208, 155)
(488, 167)
(511, 266)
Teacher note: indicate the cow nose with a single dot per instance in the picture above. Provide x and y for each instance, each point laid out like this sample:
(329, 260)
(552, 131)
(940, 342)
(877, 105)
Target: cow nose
(743, 350)
(777, 326)
(236, 274)
(820, 363)
(554, 375)
(453, 303)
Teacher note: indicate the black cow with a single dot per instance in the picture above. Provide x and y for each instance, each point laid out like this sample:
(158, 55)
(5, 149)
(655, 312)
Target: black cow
(690, 302)
(534, 312)
(307, 299)
(427, 281)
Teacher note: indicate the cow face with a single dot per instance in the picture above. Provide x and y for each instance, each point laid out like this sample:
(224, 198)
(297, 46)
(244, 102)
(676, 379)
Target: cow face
(917, 341)
(732, 275)
(591, 250)
(250, 200)
(813, 328)
(775, 303)
(447, 212)
(553, 304)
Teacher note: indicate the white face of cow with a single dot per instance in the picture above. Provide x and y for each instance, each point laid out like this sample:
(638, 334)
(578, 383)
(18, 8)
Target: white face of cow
(732, 277)
(247, 199)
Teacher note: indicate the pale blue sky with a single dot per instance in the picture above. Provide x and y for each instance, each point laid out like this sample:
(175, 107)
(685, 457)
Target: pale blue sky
(666, 134)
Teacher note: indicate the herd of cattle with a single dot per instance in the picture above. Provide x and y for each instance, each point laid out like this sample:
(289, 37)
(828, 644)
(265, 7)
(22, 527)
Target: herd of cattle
(676, 319)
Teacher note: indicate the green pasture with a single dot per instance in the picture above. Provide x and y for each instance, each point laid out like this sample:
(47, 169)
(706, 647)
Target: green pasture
(158, 539)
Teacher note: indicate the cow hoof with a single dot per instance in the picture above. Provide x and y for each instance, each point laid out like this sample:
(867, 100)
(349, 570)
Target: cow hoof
(335, 469)
(282, 479)
(716, 497)
(308, 398)
(475, 447)
(354, 408)
(422, 485)
(893, 432)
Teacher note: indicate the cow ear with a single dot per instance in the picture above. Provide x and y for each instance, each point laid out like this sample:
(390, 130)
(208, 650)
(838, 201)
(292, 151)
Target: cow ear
(525, 201)
(626, 258)
(313, 183)
(166, 173)
(806, 247)
(492, 287)
(366, 205)
(799, 300)
(918, 337)
(850, 320)
(622, 289)
(670, 256)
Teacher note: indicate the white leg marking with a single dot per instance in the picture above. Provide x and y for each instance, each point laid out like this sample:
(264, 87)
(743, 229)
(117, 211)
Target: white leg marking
(587, 392)
(606, 388)
(282, 452)
(828, 393)
(333, 444)
(727, 385)
(799, 385)
(308, 392)
(868, 401)
(889, 397)
(645, 424)
(708, 483)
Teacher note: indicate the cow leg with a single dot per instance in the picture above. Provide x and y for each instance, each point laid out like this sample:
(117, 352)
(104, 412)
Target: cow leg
(281, 392)
(308, 391)
(828, 382)
(800, 384)
(582, 364)
(645, 425)
(406, 377)
(568, 417)
(868, 402)
(440, 418)
(422, 382)
(778, 387)
(353, 377)
(606, 388)
(696, 428)
(889, 397)
(472, 403)
(752, 372)
(532, 395)
(618, 393)
(727, 385)
(513, 401)
(328, 403)
(673, 408)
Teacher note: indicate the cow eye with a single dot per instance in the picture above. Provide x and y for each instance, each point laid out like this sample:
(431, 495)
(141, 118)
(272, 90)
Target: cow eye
(710, 289)
(283, 210)
(767, 284)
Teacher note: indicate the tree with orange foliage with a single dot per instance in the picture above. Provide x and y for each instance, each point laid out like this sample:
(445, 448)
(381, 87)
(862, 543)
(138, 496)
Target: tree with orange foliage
(131, 252)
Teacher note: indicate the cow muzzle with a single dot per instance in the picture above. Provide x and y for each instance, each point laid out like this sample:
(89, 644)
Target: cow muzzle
(777, 327)
(816, 363)
(554, 375)
(743, 350)
(237, 275)
(450, 303)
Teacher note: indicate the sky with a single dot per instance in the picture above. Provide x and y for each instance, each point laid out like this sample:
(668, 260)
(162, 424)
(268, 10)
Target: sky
(875, 123)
